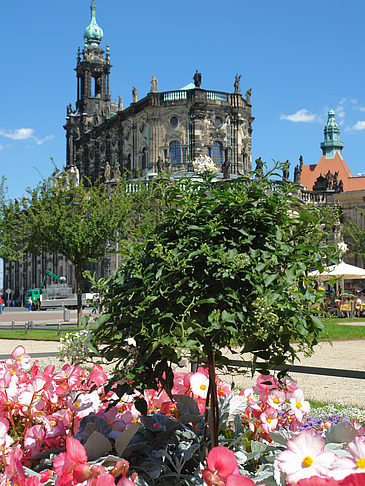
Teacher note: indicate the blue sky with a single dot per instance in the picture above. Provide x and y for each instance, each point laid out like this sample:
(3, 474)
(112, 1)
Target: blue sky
(298, 58)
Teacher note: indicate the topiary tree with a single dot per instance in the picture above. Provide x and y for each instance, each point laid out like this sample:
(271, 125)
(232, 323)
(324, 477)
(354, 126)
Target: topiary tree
(227, 266)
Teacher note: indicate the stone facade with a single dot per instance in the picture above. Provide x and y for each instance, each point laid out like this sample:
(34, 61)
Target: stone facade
(162, 131)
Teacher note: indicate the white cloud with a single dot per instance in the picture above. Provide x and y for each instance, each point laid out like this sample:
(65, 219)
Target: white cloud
(18, 134)
(24, 134)
(40, 141)
(360, 125)
(340, 112)
(302, 115)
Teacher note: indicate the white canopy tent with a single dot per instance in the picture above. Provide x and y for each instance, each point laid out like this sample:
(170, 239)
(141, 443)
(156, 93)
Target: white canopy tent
(342, 270)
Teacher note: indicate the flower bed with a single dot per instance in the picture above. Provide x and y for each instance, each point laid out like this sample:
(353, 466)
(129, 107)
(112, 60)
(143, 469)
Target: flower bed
(64, 428)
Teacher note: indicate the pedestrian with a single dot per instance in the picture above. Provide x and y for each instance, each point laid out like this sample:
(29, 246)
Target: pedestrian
(1, 305)
(30, 304)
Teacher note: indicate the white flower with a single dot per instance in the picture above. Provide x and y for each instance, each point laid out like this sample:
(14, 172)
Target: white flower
(341, 245)
(183, 363)
(204, 165)
(74, 346)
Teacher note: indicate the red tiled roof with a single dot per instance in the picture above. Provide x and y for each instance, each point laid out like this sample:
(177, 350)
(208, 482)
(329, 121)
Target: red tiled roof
(311, 172)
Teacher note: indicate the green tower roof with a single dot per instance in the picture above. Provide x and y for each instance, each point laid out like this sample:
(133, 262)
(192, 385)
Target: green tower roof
(332, 143)
(93, 33)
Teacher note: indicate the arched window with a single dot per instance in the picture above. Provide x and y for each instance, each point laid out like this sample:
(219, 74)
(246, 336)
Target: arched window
(217, 153)
(175, 152)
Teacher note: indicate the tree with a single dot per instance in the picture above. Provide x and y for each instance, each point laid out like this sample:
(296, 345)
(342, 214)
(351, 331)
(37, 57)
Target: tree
(78, 220)
(227, 266)
(356, 235)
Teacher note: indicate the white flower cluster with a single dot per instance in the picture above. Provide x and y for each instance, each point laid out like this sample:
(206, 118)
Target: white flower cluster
(73, 346)
(349, 412)
(341, 245)
(204, 165)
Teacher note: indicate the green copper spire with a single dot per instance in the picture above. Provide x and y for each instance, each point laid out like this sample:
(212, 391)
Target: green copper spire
(332, 143)
(93, 33)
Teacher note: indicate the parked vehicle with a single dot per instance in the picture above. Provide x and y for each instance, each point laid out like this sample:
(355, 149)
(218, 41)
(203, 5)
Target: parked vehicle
(55, 295)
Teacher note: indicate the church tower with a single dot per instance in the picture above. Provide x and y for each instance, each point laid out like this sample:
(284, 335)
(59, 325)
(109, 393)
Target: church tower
(93, 71)
(93, 96)
(332, 143)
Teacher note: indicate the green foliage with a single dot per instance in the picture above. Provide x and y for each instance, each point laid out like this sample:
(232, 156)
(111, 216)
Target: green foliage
(356, 236)
(227, 265)
(80, 221)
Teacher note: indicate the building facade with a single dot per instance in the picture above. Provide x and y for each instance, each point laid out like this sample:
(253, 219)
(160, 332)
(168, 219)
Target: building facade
(331, 181)
(161, 131)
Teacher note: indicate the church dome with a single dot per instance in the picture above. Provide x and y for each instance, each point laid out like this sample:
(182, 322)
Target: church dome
(93, 33)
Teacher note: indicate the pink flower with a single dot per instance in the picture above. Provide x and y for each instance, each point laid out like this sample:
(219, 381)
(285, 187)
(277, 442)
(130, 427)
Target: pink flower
(72, 461)
(290, 385)
(105, 480)
(344, 466)
(269, 420)
(199, 384)
(5, 439)
(276, 398)
(265, 383)
(221, 461)
(317, 481)
(33, 439)
(360, 429)
(239, 480)
(125, 482)
(223, 388)
(298, 405)
(353, 480)
(97, 376)
(305, 457)
(19, 360)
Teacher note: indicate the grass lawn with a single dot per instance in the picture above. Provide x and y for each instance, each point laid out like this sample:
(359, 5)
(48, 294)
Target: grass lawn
(334, 331)
(34, 334)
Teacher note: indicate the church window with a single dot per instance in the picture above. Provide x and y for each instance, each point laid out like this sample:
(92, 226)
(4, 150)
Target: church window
(175, 152)
(217, 153)
(173, 121)
(218, 121)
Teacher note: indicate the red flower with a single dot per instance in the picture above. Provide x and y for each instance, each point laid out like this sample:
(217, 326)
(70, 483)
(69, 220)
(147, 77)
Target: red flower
(357, 479)
(317, 481)
(221, 461)
(239, 480)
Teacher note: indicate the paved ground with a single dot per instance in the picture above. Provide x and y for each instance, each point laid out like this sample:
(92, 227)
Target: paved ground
(349, 355)
(21, 315)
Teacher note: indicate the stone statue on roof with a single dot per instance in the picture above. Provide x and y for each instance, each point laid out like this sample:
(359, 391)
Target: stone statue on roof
(197, 79)
(297, 172)
(116, 174)
(120, 103)
(248, 96)
(236, 84)
(153, 85)
(259, 166)
(107, 172)
(134, 94)
(286, 166)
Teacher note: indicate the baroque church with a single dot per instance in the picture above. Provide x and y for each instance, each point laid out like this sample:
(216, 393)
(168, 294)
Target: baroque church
(160, 131)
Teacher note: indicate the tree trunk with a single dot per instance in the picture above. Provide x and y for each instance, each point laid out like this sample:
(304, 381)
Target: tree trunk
(211, 404)
(78, 272)
(214, 410)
